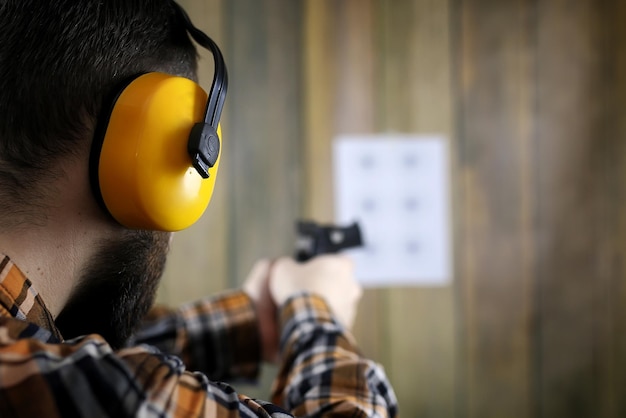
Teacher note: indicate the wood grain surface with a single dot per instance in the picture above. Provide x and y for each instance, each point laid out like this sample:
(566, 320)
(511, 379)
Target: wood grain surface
(530, 95)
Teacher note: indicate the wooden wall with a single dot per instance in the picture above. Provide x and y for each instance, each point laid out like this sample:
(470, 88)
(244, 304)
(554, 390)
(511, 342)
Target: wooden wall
(530, 95)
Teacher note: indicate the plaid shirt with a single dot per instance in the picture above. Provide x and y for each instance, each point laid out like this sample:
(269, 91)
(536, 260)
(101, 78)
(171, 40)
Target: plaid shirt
(43, 376)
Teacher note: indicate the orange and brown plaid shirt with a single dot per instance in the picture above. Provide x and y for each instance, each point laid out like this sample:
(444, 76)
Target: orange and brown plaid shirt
(43, 376)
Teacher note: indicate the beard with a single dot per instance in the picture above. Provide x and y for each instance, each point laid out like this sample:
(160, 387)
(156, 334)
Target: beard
(117, 288)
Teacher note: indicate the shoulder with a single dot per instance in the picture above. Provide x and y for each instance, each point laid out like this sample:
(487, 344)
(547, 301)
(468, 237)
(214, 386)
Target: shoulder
(85, 377)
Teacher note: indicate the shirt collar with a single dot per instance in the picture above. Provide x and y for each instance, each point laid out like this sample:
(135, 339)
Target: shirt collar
(20, 300)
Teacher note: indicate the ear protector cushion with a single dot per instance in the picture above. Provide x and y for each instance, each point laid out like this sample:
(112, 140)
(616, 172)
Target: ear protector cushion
(141, 171)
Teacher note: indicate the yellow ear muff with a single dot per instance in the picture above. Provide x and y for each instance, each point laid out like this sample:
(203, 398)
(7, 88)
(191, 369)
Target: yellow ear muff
(145, 174)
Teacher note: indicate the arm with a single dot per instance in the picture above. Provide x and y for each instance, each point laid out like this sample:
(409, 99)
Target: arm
(216, 335)
(321, 370)
(323, 373)
(224, 336)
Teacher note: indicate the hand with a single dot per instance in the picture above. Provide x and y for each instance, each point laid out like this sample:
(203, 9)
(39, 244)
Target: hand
(257, 288)
(328, 276)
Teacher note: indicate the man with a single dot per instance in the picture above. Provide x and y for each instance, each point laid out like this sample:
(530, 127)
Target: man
(74, 283)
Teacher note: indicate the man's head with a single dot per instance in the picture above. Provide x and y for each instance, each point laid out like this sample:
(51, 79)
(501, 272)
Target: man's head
(58, 60)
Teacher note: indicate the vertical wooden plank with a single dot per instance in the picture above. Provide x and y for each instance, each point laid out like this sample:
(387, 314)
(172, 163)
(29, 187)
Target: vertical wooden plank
(572, 156)
(415, 74)
(356, 112)
(286, 171)
(610, 308)
(494, 79)
(416, 86)
(198, 260)
(357, 107)
(249, 96)
(265, 132)
(319, 56)
(616, 300)
(338, 98)
(265, 195)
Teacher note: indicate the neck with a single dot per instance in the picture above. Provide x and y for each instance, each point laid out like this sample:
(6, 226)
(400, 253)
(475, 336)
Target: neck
(54, 251)
(52, 257)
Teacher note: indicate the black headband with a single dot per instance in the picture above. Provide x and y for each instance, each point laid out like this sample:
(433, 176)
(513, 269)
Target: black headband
(217, 94)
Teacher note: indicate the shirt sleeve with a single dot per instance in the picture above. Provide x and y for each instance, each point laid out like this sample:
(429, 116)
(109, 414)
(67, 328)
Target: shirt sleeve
(218, 335)
(322, 372)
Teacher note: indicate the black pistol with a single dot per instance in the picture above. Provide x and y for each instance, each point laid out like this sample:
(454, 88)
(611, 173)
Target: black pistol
(314, 239)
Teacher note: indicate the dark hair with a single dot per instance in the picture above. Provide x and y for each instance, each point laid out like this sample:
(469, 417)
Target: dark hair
(58, 59)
